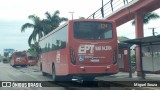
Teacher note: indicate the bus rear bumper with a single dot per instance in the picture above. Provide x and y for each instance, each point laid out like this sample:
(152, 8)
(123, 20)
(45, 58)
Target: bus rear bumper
(19, 65)
(97, 70)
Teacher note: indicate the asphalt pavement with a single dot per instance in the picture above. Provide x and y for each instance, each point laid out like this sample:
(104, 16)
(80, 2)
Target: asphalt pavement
(32, 73)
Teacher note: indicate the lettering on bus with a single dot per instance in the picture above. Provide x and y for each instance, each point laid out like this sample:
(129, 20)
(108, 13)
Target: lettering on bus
(85, 48)
(91, 48)
(58, 57)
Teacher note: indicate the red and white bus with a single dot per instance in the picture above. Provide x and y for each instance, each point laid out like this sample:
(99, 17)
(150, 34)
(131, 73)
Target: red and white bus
(19, 58)
(80, 49)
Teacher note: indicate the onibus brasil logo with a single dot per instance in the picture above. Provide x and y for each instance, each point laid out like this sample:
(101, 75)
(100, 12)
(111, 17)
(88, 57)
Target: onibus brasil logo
(21, 84)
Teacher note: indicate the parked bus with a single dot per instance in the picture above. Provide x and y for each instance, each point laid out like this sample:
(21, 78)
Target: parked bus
(31, 60)
(18, 58)
(81, 49)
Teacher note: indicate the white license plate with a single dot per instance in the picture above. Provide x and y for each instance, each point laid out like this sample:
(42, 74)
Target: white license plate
(94, 60)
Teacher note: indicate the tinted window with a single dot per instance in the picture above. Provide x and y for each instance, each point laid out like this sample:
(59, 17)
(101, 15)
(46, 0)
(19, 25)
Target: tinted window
(55, 41)
(20, 54)
(92, 30)
(31, 58)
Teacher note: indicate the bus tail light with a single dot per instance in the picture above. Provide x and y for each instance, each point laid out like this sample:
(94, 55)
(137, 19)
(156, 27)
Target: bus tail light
(82, 68)
(107, 68)
(72, 56)
(115, 56)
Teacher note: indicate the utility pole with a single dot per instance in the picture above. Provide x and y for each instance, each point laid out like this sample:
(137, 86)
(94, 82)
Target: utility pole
(153, 33)
(71, 14)
(102, 10)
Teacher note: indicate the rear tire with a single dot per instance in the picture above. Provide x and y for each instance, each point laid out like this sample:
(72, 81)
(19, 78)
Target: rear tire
(14, 66)
(91, 78)
(54, 76)
(59, 78)
(24, 66)
(43, 73)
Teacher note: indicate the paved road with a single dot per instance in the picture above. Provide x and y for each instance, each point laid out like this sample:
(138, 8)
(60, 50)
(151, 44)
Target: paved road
(8, 73)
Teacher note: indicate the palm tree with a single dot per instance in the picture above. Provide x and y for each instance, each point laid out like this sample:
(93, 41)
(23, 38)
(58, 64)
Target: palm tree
(34, 49)
(54, 20)
(42, 27)
(147, 17)
(37, 26)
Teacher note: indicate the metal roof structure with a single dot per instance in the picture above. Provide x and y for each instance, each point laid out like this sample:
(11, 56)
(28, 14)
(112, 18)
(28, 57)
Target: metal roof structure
(123, 45)
(145, 40)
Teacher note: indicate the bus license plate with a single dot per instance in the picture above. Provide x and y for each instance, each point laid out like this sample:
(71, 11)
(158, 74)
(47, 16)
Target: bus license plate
(94, 60)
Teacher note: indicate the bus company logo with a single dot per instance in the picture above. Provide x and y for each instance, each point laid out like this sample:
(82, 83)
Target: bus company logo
(85, 48)
(21, 84)
(6, 84)
(91, 48)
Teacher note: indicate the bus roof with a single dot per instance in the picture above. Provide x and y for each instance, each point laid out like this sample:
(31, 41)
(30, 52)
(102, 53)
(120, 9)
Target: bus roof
(54, 31)
(19, 51)
(67, 24)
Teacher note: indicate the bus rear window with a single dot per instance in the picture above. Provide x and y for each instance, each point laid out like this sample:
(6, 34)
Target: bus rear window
(20, 54)
(31, 58)
(92, 30)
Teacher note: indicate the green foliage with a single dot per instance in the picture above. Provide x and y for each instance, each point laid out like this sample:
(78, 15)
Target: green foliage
(53, 20)
(37, 29)
(122, 38)
(42, 27)
(148, 17)
(32, 52)
(34, 49)
(1, 57)
(4, 59)
(133, 58)
(81, 17)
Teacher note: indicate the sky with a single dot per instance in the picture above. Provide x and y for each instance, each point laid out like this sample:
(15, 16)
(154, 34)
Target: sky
(14, 13)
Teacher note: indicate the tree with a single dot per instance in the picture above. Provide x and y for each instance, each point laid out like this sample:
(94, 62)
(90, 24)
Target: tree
(122, 38)
(133, 58)
(37, 26)
(147, 17)
(54, 20)
(34, 49)
(81, 17)
(42, 27)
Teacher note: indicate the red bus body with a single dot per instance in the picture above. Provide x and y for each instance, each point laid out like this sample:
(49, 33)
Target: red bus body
(82, 55)
(31, 60)
(19, 59)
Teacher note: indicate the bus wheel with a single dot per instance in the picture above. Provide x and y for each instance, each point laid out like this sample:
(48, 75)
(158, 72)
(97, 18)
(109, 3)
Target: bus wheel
(43, 73)
(54, 76)
(91, 78)
(24, 66)
(59, 78)
(67, 78)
